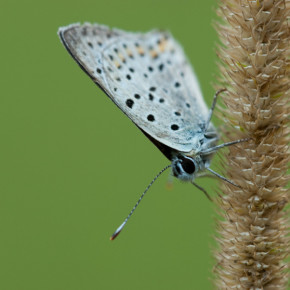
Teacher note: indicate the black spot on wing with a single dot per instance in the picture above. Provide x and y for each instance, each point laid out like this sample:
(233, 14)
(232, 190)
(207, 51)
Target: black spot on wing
(129, 103)
(150, 118)
(174, 127)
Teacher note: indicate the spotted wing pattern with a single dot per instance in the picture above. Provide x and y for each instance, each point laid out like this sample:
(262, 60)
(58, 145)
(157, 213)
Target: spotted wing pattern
(146, 75)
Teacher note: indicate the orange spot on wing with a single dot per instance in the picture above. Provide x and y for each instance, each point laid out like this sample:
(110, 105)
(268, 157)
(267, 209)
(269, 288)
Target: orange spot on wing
(121, 56)
(129, 52)
(162, 45)
(117, 64)
(140, 50)
(153, 53)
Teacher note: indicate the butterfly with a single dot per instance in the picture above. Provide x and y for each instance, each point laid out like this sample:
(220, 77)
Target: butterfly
(148, 76)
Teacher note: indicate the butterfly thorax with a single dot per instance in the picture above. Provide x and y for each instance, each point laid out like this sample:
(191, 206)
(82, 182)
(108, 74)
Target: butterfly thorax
(187, 166)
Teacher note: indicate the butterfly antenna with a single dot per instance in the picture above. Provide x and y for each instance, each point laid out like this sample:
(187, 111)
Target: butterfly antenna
(212, 107)
(118, 230)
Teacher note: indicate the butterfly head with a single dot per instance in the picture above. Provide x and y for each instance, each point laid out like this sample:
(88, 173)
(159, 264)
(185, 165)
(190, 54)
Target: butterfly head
(186, 167)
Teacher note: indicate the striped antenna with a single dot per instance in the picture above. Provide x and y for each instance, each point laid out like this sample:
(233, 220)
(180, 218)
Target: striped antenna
(118, 230)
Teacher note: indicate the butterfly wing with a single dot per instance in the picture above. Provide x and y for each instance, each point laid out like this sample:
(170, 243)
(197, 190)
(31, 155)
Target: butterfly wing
(146, 75)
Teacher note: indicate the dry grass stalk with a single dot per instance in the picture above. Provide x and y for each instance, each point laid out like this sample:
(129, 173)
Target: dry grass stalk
(255, 66)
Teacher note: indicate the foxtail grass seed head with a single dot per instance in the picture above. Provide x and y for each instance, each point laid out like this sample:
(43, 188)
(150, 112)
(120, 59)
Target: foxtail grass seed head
(254, 64)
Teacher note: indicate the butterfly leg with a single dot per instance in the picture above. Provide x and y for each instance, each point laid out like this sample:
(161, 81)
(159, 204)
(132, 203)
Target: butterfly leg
(202, 189)
(203, 174)
(215, 148)
(222, 177)
(212, 107)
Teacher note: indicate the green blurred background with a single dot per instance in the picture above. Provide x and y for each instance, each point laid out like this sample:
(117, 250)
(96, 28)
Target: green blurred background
(72, 165)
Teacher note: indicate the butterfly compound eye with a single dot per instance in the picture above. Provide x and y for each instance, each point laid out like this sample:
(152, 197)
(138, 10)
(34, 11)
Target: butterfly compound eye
(187, 164)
